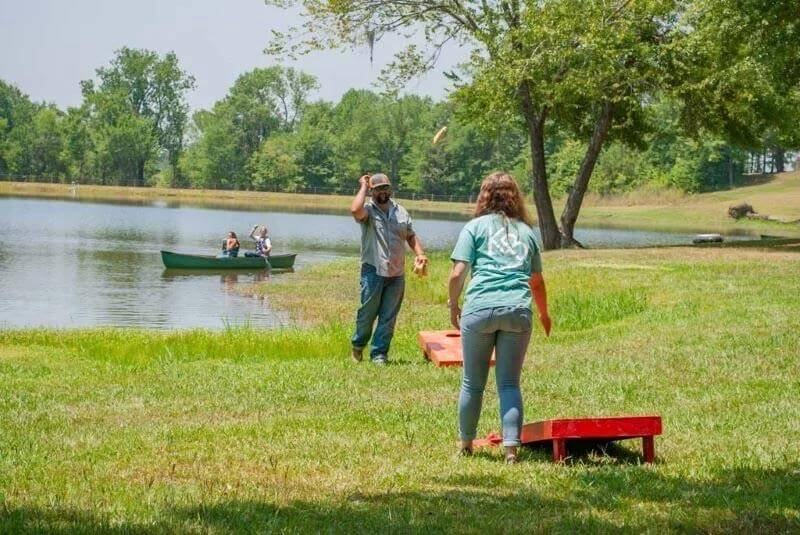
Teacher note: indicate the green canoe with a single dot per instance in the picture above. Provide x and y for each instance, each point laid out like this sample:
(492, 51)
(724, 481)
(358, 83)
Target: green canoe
(282, 261)
(190, 261)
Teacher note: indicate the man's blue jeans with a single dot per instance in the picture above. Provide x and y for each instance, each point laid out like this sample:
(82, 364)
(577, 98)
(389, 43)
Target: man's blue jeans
(381, 298)
(507, 331)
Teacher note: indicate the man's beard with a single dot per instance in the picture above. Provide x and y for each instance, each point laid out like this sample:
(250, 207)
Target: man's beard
(382, 198)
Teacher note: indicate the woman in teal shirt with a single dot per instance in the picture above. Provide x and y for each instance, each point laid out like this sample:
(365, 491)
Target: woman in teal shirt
(500, 249)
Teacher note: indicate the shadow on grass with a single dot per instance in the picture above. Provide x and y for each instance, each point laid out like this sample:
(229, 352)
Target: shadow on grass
(739, 500)
(579, 452)
(464, 510)
(736, 500)
(587, 452)
(602, 499)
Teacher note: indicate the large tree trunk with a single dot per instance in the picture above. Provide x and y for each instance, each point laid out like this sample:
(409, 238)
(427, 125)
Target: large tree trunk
(575, 199)
(551, 237)
(779, 157)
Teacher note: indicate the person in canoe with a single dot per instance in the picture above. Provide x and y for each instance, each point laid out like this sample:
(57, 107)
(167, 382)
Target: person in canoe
(230, 247)
(263, 243)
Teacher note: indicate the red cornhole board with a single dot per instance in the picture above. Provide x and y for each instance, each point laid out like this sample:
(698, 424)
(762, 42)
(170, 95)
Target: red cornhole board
(443, 348)
(611, 428)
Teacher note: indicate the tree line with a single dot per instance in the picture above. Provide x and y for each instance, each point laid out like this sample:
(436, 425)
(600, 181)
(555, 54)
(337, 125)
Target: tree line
(134, 128)
(654, 93)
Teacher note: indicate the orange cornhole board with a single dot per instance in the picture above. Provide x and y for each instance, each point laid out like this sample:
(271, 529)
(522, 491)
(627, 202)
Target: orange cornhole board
(605, 429)
(443, 348)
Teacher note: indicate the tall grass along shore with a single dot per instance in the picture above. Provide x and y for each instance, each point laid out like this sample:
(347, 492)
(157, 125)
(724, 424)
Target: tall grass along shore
(242, 430)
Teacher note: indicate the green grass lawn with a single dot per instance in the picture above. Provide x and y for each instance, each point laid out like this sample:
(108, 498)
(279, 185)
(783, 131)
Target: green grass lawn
(139, 431)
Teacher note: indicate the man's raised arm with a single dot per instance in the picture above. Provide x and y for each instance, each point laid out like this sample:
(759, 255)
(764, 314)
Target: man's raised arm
(357, 206)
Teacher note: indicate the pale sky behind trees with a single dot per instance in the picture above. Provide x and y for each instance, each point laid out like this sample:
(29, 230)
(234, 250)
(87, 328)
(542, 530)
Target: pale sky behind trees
(48, 46)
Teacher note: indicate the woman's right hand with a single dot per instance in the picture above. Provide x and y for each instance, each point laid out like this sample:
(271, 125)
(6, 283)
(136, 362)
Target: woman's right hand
(540, 298)
(546, 323)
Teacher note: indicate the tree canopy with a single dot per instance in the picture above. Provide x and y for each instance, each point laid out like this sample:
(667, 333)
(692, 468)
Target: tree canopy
(587, 68)
(138, 108)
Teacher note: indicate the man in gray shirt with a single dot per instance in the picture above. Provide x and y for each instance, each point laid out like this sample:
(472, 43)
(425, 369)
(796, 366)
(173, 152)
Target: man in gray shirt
(385, 229)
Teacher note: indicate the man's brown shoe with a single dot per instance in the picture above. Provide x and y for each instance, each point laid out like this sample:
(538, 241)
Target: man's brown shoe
(357, 354)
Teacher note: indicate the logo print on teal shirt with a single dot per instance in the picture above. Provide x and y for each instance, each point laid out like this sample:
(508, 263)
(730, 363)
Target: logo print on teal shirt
(506, 247)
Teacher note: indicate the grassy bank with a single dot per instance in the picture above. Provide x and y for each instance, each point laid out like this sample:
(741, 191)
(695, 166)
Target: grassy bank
(777, 196)
(122, 430)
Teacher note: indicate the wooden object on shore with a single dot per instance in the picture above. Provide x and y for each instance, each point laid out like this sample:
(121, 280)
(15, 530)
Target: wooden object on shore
(708, 238)
(738, 211)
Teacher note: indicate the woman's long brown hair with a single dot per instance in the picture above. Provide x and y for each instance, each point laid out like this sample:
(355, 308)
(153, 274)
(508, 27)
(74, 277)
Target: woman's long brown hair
(500, 194)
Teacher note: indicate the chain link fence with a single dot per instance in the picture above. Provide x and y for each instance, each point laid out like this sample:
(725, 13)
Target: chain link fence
(312, 190)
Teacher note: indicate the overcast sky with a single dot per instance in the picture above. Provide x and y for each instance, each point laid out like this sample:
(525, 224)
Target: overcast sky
(48, 46)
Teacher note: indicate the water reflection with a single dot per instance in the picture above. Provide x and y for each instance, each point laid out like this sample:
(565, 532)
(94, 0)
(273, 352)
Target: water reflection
(225, 275)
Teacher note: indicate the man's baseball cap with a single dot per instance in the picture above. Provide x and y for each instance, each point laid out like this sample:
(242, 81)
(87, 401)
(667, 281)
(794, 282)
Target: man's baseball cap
(379, 179)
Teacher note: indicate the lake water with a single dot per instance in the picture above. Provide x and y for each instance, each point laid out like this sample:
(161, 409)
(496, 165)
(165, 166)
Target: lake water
(77, 264)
